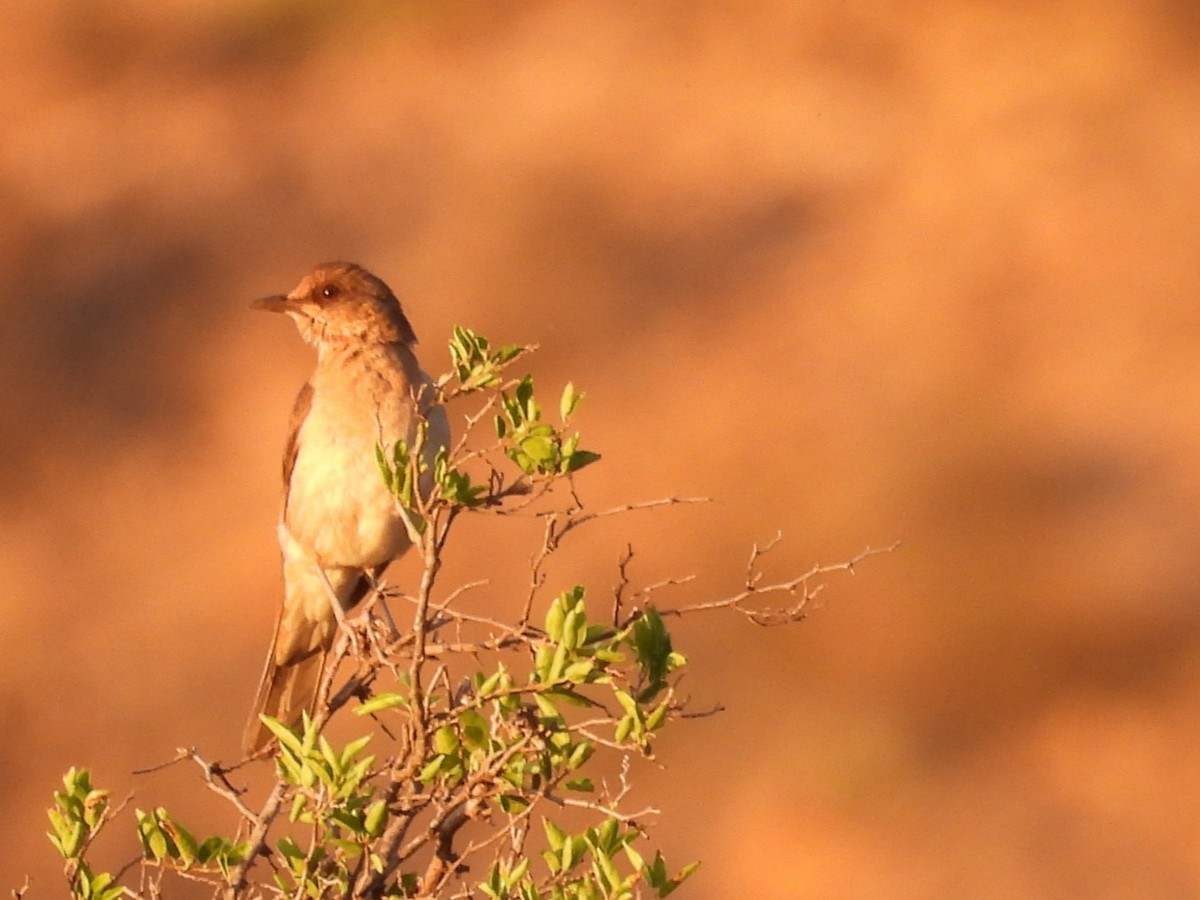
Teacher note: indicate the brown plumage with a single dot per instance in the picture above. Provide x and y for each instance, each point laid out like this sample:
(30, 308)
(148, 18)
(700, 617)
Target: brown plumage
(339, 527)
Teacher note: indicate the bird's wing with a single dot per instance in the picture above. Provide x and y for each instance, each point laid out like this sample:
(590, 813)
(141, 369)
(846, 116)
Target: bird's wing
(290, 450)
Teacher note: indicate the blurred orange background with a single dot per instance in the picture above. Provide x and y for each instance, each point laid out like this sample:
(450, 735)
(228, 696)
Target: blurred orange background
(859, 272)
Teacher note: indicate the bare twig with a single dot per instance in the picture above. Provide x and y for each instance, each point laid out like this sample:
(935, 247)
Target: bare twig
(258, 837)
(214, 776)
(575, 521)
(800, 587)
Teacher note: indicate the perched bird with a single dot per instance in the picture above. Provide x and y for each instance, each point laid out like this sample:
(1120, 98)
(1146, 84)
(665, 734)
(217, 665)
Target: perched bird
(339, 527)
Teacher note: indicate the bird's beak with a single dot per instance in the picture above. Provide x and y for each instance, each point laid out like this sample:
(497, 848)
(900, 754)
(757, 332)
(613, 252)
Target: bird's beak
(274, 303)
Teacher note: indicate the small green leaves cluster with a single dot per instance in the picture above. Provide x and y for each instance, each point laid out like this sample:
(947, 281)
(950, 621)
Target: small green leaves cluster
(401, 469)
(598, 863)
(459, 746)
(476, 365)
(165, 841)
(455, 486)
(656, 657)
(536, 446)
(76, 817)
(579, 653)
(404, 468)
(603, 847)
(336, 799)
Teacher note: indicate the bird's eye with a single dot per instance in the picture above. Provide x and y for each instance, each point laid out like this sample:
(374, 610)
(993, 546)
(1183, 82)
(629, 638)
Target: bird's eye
(330, 291)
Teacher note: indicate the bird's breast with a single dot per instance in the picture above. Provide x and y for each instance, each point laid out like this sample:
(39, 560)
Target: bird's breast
(337, 504)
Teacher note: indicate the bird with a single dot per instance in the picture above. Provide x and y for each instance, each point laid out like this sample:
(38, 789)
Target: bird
(339, 525)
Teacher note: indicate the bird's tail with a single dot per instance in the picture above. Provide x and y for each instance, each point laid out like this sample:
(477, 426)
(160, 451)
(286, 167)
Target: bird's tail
(285, 693)
(304, 632)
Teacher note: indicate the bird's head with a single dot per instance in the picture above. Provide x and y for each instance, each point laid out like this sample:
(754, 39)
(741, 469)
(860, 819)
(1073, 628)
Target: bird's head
(340, 302)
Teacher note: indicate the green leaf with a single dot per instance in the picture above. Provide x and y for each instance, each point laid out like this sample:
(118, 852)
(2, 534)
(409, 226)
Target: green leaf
(584, 785)
(568, 696)
(570, 628)
(608, 833)
(624, 727)
(287, 737)
(658, 716)
(329, 755)
(525, 401)
(155, 843)
(569, 402)
(445, 740)
(598, 632)
(627, 702)
(517, 873)
(349, 848)
(548, 709)
(74, 840)
(352, 749)
(102, 888)
(580, 754)
(578, 459)
(485, 687)
(380, 702)
(376, 819)
(686, 873)
(512, 804)
(290, 849)
(557, 663)
(475, 730)
(652, 643)
(389, 477)
(296, 813)
(635, 858)
(555, 616)
(184, 840)
(572, 852)
(508, 353)
(578, 672)
(555, 836)
(541, 662)
(609, 872)
(95, 802)
(431, 769)
(657, 873)
(539, 448)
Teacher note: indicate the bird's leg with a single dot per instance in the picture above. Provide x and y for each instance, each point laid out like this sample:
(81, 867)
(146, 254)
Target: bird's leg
(385, 611)
(336, 605)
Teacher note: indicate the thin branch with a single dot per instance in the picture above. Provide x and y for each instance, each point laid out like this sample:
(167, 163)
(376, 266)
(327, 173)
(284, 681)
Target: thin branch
(645, 592)
(258, 838)
(796, 586)
(622, 583)
(701, 713)
(536, 577)
(458, 592)
(214, 776)
(575, 521)
(609, 811)
(129, 864)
